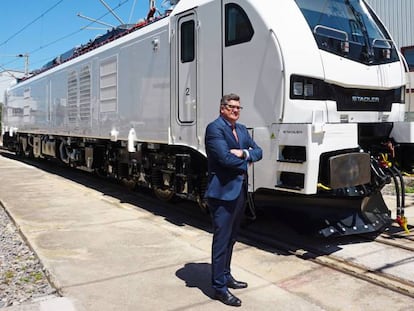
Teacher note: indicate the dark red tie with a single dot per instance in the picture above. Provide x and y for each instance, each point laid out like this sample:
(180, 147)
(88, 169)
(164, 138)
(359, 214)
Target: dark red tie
(235, 133)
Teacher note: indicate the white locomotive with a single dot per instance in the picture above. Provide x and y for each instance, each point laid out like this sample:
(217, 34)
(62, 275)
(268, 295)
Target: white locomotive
(321, 84)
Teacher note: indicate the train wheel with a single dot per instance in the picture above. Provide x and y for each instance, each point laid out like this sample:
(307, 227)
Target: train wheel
(164, 194)
(20, 150)
(130, 184)
(161, 185)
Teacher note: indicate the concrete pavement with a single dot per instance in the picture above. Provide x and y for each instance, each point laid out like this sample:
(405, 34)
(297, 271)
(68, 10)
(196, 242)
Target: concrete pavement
(103, 253)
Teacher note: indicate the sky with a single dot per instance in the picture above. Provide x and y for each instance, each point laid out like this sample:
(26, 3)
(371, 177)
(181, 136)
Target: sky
(44, 29)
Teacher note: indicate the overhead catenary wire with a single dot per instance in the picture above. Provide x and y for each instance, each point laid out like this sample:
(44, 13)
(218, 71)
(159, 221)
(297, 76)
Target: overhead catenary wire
(112, 12)
(31, 23)
(132, 11)
(77, 31)
(95, 20)
(121, 3)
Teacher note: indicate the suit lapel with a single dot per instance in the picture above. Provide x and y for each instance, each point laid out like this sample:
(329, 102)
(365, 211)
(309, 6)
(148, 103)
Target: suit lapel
(230, 131)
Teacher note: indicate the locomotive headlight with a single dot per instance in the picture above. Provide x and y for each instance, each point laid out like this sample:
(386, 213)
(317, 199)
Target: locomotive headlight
(308, 88)
(298, 88)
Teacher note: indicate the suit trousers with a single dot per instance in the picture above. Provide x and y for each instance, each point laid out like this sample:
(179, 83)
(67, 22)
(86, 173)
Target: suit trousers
(226, 218)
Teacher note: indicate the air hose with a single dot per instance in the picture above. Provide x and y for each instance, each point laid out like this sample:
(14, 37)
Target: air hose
(399, 190)
(401, 219)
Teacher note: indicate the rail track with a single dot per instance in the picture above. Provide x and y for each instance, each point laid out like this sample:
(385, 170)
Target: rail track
(397, 238)
(397, 250)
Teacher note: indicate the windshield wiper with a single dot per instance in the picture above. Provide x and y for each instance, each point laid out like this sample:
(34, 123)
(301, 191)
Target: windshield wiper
(368, 54)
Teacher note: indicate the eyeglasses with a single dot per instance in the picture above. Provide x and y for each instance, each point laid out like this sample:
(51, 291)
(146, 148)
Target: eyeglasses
(231, 107)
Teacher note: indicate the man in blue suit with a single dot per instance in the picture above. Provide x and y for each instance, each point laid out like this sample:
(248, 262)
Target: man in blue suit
(229, 149)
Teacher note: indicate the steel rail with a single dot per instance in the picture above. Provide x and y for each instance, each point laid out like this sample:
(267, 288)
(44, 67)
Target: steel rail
(317, 256)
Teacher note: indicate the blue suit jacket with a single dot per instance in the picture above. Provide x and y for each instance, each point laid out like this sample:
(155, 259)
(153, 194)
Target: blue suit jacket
(226, 171)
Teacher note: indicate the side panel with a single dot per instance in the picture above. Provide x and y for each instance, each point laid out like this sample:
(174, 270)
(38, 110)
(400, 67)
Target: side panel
(209, 74)
(105, 93)
(58, 95)
(144, 88)
(253, 69)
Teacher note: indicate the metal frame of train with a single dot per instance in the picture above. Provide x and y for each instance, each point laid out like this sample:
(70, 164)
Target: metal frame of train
(321, 83)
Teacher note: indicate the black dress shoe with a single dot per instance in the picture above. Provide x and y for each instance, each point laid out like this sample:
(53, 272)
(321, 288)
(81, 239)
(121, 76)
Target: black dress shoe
(227, 298)
(232, 283)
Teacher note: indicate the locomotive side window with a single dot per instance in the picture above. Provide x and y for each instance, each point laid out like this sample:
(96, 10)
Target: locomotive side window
(238, 28)
(187, 42)
(408, 52)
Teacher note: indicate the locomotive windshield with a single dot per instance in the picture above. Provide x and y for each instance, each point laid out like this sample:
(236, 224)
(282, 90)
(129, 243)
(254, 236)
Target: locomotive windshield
(349, 28)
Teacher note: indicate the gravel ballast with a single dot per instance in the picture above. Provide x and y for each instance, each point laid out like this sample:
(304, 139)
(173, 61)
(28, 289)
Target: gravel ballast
(22, 276)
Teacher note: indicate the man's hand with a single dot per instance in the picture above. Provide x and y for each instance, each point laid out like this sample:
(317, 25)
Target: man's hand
(237, 152)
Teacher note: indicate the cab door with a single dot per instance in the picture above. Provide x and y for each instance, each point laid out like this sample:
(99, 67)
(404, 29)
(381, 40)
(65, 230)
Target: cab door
(184, 123)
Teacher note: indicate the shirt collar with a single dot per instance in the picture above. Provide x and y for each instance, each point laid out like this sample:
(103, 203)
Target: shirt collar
(228, 123)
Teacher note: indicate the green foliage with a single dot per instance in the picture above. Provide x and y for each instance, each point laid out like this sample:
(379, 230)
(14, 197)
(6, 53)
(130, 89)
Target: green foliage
(409, 185)
(409, 189)
(7, 277)
(37, 276)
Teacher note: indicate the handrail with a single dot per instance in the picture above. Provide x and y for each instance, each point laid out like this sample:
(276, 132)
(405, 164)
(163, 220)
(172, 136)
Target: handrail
(331, 29)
